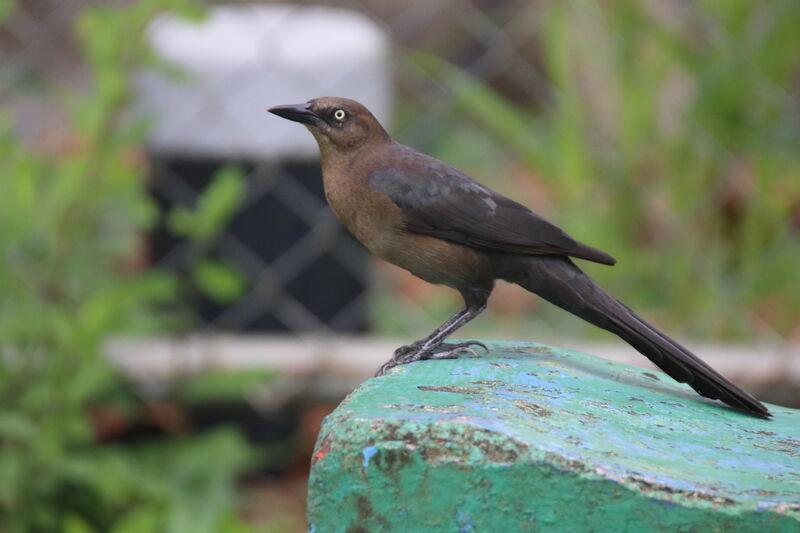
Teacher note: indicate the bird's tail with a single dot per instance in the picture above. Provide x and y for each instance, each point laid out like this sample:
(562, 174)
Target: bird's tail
(558, 280)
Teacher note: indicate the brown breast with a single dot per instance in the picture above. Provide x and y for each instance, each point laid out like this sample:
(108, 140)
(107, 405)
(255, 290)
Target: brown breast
(375, 220)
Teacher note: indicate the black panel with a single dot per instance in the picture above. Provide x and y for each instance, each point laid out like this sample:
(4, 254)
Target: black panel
(266, 226)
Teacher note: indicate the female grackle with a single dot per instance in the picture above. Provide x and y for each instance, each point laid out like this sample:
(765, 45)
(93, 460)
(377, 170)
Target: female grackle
(442, 226)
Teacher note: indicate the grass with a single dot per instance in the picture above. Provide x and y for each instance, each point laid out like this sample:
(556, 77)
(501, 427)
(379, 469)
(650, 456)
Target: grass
(670, 144)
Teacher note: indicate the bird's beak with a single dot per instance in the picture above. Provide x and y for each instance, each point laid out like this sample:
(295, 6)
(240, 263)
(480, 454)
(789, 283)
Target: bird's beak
(296, 112)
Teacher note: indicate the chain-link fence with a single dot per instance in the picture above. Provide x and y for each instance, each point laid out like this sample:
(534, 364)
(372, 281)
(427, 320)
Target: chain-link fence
(619, 120)
(303, 272)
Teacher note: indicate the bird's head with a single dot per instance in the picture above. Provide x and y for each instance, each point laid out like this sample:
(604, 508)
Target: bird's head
(339, 124)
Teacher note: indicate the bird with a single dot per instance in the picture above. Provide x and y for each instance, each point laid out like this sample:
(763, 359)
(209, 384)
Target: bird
(429, 218)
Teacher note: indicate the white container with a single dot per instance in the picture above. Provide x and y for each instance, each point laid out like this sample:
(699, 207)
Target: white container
(241, 60)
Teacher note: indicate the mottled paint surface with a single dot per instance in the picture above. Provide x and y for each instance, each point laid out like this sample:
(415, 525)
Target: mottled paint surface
(534, 438)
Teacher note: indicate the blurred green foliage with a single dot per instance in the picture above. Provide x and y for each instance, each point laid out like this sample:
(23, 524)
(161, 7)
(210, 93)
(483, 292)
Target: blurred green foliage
(217, 279)
(670, 142)
(70, 228)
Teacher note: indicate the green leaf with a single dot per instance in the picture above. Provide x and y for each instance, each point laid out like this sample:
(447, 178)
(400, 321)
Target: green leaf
(218, 202)
(214, 207)
(181, 221)
(220, 281)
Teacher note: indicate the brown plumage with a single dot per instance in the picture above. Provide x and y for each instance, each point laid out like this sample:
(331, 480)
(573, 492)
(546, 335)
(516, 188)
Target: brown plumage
(442, 226)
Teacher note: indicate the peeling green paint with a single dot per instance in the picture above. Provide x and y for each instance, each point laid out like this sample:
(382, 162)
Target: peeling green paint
(534, 438)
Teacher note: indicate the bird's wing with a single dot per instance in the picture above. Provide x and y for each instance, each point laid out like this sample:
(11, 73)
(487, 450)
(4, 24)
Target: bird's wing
(438, 200)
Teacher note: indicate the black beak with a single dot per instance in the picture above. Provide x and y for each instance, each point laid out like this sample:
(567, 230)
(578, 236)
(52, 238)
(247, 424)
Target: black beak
(296, 112)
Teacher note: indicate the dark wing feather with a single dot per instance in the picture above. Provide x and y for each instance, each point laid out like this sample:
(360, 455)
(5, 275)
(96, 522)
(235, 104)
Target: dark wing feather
(441, 201)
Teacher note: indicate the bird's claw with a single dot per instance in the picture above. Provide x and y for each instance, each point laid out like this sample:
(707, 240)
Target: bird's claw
(453, 354)
(451, 351)
(467, 344)
(385, 367)
(412, 352)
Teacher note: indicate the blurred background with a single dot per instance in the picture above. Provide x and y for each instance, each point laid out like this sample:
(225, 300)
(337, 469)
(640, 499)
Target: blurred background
(179, 309)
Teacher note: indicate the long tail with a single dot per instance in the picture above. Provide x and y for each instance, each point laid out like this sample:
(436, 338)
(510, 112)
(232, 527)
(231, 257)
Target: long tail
(558, 280)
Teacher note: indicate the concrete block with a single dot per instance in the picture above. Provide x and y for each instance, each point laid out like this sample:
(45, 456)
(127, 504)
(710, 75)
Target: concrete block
(535, 438)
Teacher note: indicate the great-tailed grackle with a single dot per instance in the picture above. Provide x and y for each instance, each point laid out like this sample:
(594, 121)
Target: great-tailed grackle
(442, 226)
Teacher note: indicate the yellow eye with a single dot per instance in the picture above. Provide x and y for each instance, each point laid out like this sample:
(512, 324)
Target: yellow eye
(339, 114)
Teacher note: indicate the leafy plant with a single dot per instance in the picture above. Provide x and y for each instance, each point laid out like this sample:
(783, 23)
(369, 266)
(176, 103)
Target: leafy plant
(692, 182)
(70, 228)
(217, 279)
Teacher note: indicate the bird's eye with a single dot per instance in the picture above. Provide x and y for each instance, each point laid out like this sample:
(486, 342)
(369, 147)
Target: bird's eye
(339, 114)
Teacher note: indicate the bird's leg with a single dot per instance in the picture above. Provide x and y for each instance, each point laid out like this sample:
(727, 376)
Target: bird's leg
(427, 348)
(432, 347)
(427, 341)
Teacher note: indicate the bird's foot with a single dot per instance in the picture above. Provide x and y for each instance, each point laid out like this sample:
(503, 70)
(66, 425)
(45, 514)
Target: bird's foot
(451, 351)
(413, 352)
(404, 351)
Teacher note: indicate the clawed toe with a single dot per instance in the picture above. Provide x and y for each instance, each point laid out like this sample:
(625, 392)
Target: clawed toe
(385, 367)
(466, 344)
(413, 352)
(399, 359)
(454, 353)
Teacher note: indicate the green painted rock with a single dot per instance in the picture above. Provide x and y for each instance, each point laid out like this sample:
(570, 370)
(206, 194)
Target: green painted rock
(534, 438)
